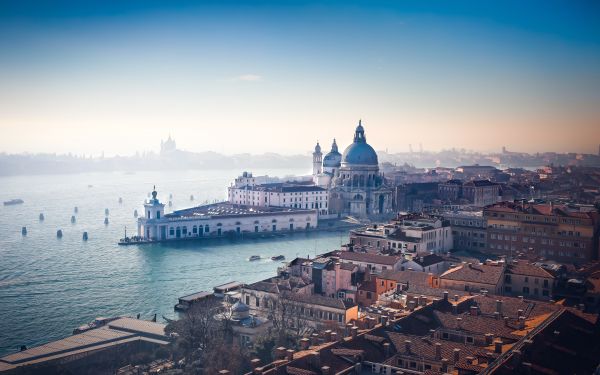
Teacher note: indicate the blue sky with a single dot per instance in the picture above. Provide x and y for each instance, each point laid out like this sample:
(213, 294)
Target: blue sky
(260, 76)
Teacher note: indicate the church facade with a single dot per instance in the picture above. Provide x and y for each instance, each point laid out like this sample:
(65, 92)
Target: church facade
(355, 185)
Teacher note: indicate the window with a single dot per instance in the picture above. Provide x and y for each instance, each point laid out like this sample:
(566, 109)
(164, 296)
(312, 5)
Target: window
(257, 301)
(470, 340)
(525, 290)
(248, 300)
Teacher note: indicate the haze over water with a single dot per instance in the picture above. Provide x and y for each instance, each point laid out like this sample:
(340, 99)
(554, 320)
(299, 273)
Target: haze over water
(49, 286)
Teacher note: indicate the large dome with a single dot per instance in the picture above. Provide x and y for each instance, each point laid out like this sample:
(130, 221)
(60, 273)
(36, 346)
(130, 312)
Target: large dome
(359, 152)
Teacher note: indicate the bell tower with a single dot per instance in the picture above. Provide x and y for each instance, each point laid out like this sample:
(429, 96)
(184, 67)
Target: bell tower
(317, 160)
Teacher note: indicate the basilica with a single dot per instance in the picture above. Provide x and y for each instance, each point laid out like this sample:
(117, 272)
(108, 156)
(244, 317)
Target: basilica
(352, 178)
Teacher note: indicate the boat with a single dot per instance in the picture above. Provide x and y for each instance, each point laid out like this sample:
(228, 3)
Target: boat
(278, 257)
(254, 257)
(24, 231)
(59, 233)
(105, 221)
(12, 202)
(75, 209)
(192, 197)
(120, 200)
(85, 236)
(42, 217)
(98, 322)
(90, 186)
(73, 219)
(135, 213)
(106, 211)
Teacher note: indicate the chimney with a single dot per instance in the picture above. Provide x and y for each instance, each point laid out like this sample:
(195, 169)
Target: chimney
(255, 363)
(257, 371)
(456, 355)
(224, 372)
(519, 313)
(354, 331)
(456, 298)
(314, 339)
(474, 310)
(304, 343)
(499, 306)
(445, 296)
(444, 365)
(411, 305)
(386, 349)
(522, 322)
(438, 351)
(496, 315)
(325, 370)
(470, 360)
(432, 333)
(407, 345)
(489, 338)
(498, 346)
(459, 323)
(327, 335)
(348, 329)
(422, 300)
(506, 321)
(333, 336)
(280, 352)
(315, 358)
(289, 355)
(384, 320)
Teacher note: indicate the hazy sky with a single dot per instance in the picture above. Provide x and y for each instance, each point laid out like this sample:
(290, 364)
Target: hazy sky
(261, 76)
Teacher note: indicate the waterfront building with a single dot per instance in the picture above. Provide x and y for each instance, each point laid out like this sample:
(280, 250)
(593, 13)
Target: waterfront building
(555, 232)
(408, 234)
(291, 195)
(220, 219)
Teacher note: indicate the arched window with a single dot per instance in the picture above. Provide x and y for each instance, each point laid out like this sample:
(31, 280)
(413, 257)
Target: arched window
(274, 221)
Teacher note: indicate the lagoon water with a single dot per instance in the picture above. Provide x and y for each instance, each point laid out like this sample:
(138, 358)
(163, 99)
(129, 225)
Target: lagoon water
(49, 286)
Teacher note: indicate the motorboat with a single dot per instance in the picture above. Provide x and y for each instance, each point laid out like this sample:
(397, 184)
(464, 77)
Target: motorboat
(254, 257)
(12, 202)
(278, 257)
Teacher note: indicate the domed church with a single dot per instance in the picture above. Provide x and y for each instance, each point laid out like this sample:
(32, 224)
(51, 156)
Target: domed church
(355, 185)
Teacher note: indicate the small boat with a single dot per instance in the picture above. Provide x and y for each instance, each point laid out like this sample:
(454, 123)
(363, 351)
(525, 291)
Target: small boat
(12, 202)
(192, 197)
(105, 221)
(42, 217)
(278, 257)
(73, 219)
(120, 200)
(90, 186)
(135, 213)
(75, 209)
(24, 231)
(85, 236)
(106, 211)
(254, 257)
(59, 233)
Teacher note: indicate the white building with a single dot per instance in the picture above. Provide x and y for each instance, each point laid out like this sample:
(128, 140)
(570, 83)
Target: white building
(290, 195)
(220, 219)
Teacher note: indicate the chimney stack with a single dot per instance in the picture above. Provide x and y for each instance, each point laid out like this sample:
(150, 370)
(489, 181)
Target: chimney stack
(459, 323)
(333, 336)
(354, 331)
(519, 313)
(498, 346)
(438, 351)
(444, 365)
(327, 335)
(314, 339)
(522, 322)
(289, 355)
(496, 315)
(489, 338)
(315, 358)
(445, 296)
(386, 349)
(456, 298)
(456, 355)
(224, 372)
(255, 363)
(325, 370)
(304, 343)
(411, 305)
(432, 333)
(499, 306)
(280, 352)
(474, 310)
(407, 345)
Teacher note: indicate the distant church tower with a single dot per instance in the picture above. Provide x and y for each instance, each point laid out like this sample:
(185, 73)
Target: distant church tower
(317, 160)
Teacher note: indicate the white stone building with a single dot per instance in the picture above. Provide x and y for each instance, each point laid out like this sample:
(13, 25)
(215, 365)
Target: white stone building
(220, 219)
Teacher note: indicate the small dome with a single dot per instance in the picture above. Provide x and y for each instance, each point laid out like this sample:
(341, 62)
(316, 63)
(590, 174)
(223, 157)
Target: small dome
(333, 158)
(239, 307)
(318, 148)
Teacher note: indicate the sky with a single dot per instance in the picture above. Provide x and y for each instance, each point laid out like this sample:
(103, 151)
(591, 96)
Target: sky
(276, 76)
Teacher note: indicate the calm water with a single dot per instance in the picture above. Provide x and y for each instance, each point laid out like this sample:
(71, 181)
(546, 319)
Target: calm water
(49, 286)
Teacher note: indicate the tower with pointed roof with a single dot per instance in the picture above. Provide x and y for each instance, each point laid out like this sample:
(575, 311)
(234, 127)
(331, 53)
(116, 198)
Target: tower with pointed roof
(317, 160)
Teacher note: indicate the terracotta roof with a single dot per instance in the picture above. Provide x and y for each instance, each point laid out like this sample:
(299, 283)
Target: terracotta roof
(410, 277)
(475, 273)
(424, 347)
(319, 300)
(388, 260)
(477, 324)
(428, 260)
(527, 269)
